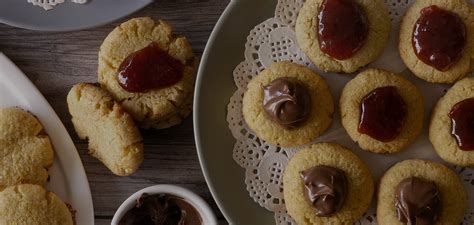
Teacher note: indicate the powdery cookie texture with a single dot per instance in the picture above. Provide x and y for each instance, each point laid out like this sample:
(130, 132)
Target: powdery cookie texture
(158, 108)
(322, 106)
(113, 137)
(378, 34)
(441, 126)
(423, 70)
(25, 149)
(364, 83)
(453, 195)
(31, 204)
(360, 184)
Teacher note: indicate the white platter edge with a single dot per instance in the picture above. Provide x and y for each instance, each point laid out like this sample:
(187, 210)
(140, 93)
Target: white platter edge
(67, 176)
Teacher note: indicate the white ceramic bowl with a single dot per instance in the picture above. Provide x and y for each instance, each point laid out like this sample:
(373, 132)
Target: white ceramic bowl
(208, 217)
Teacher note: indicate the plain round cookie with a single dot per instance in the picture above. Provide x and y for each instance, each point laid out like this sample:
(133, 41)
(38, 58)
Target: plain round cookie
(423, 70)
(29, 204)
(113, 137)
(379, 31)
(158, 108)
(360, 184)
(453, 195)
(440, 126)
(264, 127)
(25, 149)
(364, 83)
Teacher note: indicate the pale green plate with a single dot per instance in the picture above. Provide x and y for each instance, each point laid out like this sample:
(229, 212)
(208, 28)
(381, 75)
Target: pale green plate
(214, 87)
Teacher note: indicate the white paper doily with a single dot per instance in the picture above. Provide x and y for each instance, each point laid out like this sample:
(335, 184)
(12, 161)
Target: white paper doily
(49, 4)
(274, 40)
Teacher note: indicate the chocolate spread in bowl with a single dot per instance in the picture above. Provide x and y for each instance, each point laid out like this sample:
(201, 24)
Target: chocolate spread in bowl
(161, 209)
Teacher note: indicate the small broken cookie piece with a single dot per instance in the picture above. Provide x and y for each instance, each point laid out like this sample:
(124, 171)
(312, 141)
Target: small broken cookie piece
(113, 137)
(25, 150)
(32, 204)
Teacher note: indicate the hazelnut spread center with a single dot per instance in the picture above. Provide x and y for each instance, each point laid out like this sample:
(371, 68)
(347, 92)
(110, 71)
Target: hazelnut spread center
(462, 118)
(342, 28)
(161, 209)
(287, 102)
(149, 68)
(326, 189)
(439, 38)
(417, 201)
(383, 114)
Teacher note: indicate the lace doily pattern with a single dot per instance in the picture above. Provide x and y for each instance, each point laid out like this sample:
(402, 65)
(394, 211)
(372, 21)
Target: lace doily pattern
(272, 41)
(50, 4)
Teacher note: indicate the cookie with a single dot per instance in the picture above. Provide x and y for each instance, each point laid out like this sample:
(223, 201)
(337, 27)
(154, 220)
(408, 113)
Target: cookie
(425, 69)
(359, 184)
(451, 191)
(441, 125)
(360, 92)
(157, 107)
(319, 110)
(377, 32)
(25, 149)
(113, 137)
(32, 204)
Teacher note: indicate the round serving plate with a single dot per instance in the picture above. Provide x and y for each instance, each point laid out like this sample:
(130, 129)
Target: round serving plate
(214, 87)
(66, 16)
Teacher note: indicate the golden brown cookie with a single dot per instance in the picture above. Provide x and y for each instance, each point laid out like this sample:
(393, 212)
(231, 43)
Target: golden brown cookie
(158, 108)
(361, 86)
(440, 130)
(29, 204)
(452, 193)
(378, 22)
(407, 51)
(318, 120)
(360, 184)
(25, 150)
(113, 137)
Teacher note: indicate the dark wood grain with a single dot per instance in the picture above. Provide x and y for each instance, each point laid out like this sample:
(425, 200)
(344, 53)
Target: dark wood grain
(56, 61)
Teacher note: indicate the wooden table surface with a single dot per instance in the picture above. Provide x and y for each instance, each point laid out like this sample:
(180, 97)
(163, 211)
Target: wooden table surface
(56, 61)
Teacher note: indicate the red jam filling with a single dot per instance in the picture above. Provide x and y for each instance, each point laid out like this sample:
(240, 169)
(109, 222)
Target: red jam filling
(439, 38)
(383, 114)
(149, 68)
(342, 28)
(462, 118)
